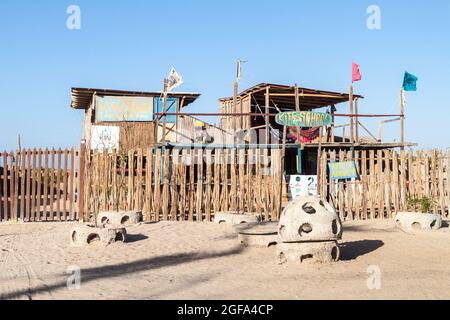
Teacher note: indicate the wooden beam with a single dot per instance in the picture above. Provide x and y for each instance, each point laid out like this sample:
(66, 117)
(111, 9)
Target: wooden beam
(402, 118)
(356, 121)
(351, 112)
(267, 112)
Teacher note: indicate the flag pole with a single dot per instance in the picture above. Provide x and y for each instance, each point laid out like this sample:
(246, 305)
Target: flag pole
(351, 113)
(165, 110)
(402, 118)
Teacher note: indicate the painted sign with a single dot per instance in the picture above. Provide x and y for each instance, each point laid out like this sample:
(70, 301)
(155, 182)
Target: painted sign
(343, 170)
(303, 119)
(301, 186)
(172, 106)
(105, 138)
(118, 109)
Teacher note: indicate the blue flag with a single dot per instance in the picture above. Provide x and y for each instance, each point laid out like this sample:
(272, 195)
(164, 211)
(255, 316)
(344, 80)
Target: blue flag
(410, 82)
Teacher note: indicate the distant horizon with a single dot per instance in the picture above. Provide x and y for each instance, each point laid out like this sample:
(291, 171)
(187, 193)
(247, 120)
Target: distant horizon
(126, 46)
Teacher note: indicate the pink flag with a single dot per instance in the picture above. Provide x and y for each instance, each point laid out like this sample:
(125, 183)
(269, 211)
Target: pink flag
(356, 74)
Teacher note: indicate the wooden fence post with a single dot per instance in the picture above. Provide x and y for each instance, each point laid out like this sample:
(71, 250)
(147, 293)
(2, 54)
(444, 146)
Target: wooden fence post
(81, 176)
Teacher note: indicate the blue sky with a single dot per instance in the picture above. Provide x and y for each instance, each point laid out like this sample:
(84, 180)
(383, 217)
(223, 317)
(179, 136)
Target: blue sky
(133, 44)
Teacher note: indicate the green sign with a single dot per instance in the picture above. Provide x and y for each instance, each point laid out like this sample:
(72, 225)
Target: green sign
(343, 170)
(304, 119)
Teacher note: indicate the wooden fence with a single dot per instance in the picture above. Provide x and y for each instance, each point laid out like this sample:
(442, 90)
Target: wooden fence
(39, 185)
(387, 180)
(185, 184)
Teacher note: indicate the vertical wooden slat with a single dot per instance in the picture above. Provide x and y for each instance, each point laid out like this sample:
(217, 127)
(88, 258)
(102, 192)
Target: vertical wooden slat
(174, 180)
(208, 185)
(157, 187)
(82, 214)
(149, 185)
(183, 204)
(364, 196)
(250, 180)
(380, 183)
(22, 184)
(58, 186)
(395, 183)
(64, 184)
(14, 158)
(27, 176)
(33, 174)
(225, 185)
(234, 182)
(387, 184)
(258, 185)
(6, 190)
(192, 185)
(72, 183)
(341, 194)
(39, 182)
(165, 193)
(199, 193)
(241, 181)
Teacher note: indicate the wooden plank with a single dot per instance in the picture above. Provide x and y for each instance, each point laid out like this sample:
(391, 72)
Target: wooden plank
(39, 182)
(27, 176)
(387, 183)
(149, 185)
(372, 184)
(183, 204)
(130, 185)
(250, 183)
(266, 184)
(165, 193)
(258, 186)
(52, 185)
(225, 185)
(14, 185)
(72, 184)
(23, 156)
(81, 183)
(234, 182)
(217, 179)
(208, 185)
(199, 194)
(357, 191)
(192, 185)
(140, 182)
(32, 172)
(241, 188)
(58, 185)
(380, 183)
(6, 190)
(174, 177)
(157, 202)
(364, 195)
(64, 184)
(395, 183)
(341, 194)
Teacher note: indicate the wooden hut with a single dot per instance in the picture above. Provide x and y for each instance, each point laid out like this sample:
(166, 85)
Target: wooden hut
(114, 118)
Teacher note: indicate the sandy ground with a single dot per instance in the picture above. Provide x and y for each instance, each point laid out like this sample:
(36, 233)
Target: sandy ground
(205, 261)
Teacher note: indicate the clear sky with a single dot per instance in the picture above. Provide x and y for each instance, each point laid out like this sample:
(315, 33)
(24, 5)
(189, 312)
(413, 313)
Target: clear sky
(133, 44)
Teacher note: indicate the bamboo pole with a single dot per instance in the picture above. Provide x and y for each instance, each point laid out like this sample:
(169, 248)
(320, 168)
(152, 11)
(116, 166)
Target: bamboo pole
(166, 83)
(352, 113)
(267, 112)
(402, 118)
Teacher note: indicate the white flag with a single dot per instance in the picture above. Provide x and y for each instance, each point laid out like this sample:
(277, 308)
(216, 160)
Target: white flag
(174, 80)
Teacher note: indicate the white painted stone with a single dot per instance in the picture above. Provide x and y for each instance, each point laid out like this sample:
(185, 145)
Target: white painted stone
(418, 221)
(308, 252)
(309, 219)
(234, 218)
(86, 235)
(118, 219)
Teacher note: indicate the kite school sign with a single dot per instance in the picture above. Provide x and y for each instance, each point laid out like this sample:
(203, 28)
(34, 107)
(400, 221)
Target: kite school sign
(303, 119)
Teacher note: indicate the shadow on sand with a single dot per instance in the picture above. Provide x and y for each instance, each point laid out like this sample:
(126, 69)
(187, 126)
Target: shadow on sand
(353, 250)
(113, 271)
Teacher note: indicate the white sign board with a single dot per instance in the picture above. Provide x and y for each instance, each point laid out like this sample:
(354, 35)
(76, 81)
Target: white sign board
(301, 186)
(105, 138)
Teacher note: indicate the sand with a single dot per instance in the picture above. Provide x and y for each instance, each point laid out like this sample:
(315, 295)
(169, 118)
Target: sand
(205, 261)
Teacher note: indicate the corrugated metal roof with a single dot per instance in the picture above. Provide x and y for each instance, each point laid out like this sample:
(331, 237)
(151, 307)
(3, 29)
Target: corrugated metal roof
(82, 97)
(283, 95)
